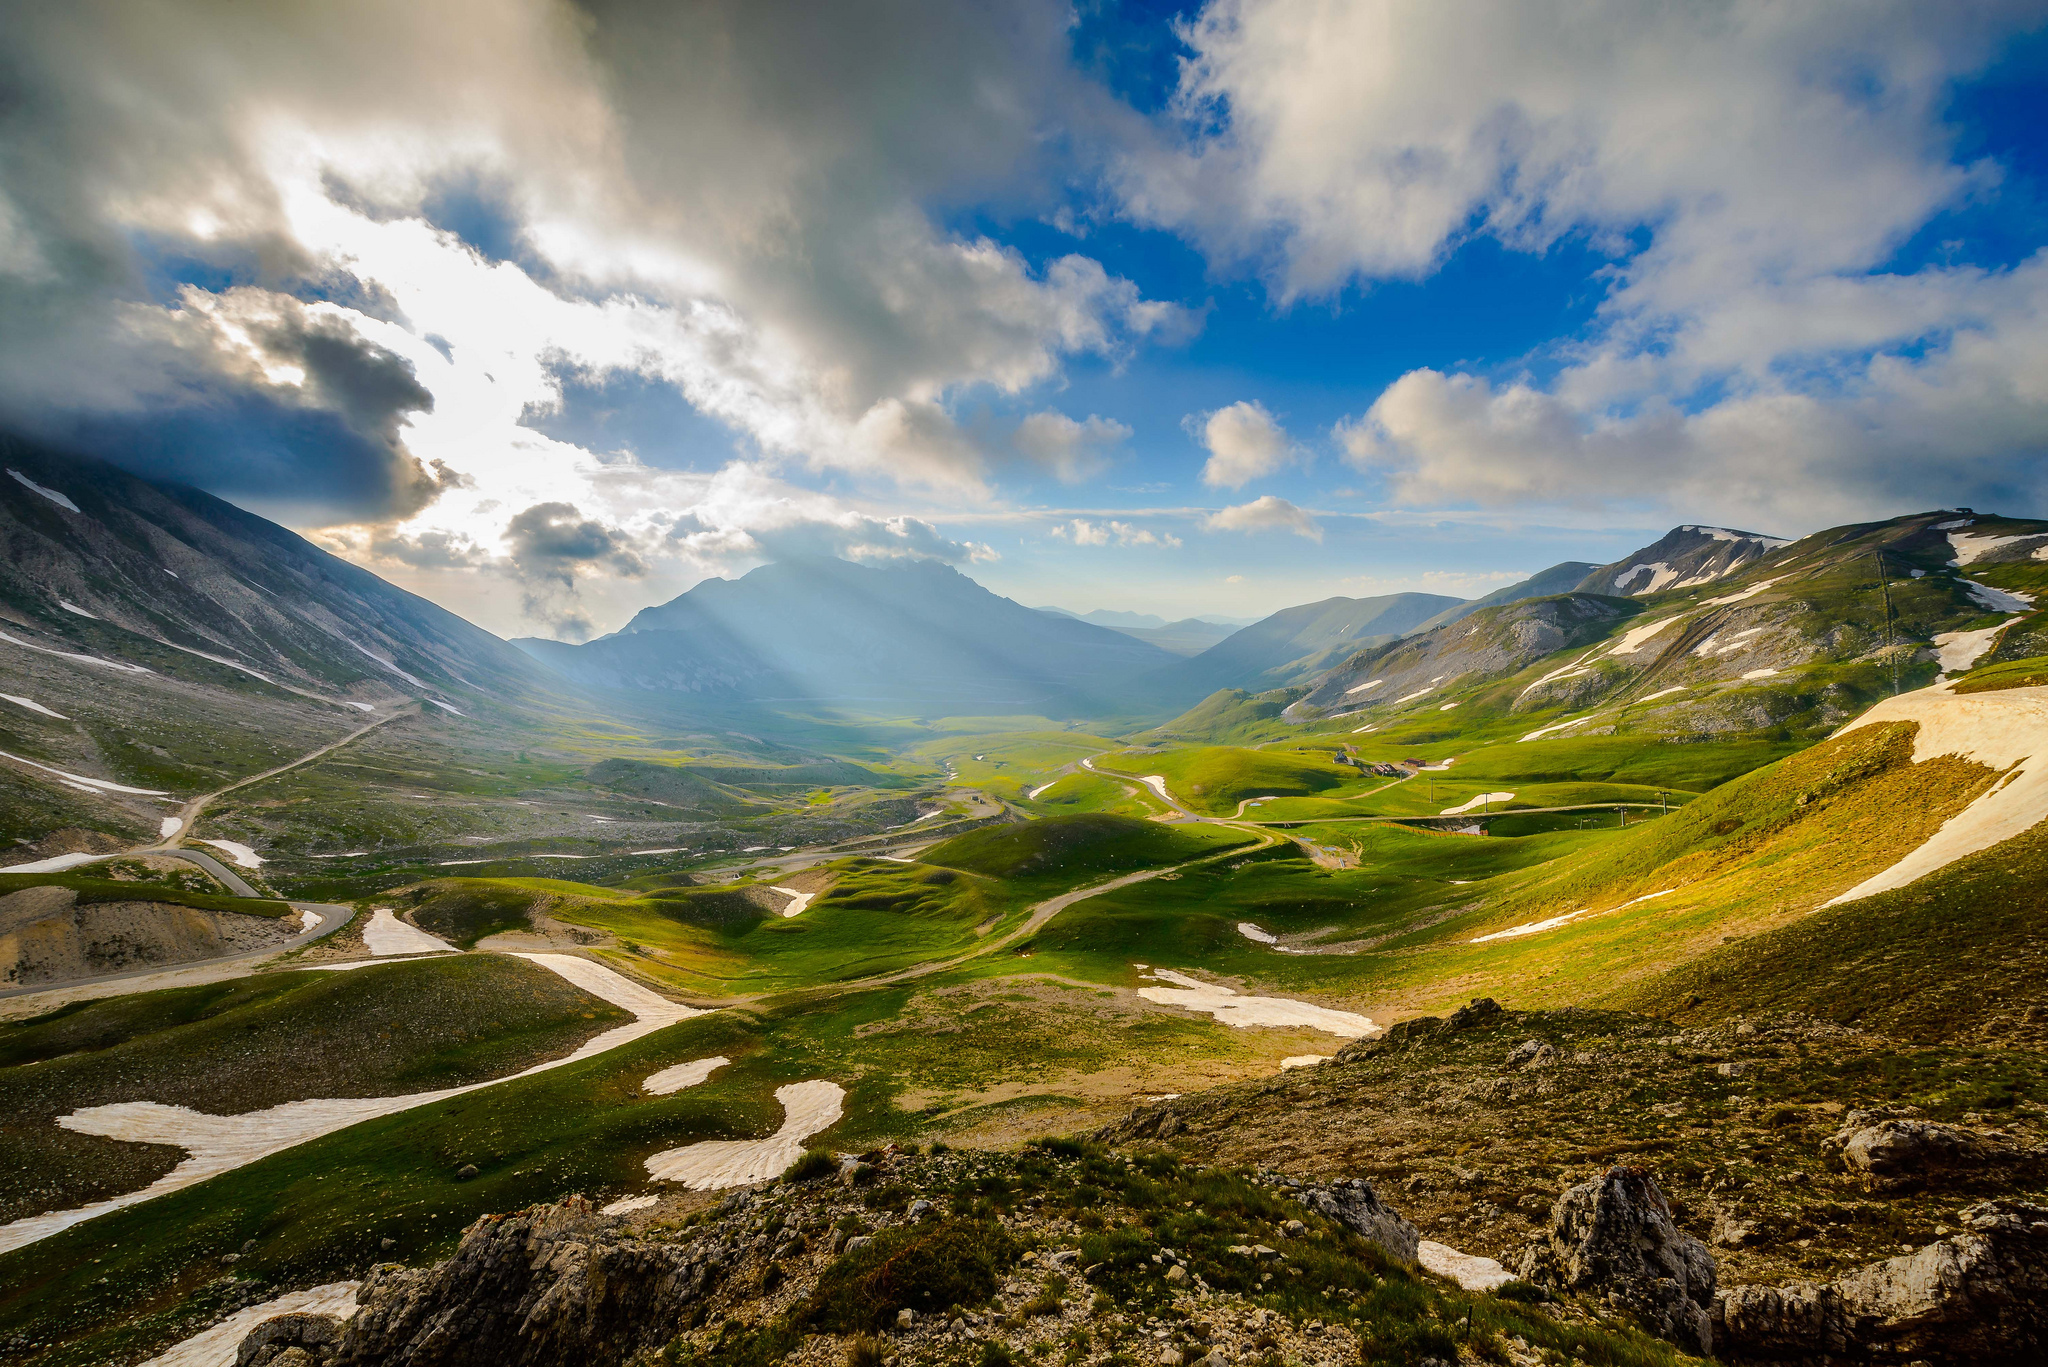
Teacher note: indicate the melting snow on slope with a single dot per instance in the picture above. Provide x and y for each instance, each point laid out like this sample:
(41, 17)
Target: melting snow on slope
(1516, 932)
(1970, 549)
(73, 608)
(386, 935)
(1659, 572)
(1999, 600)
(626, 1205)
(1252, 932)
(51, 494)
(1157, 783)
(1554, 726)
(81, 781)
(1302, 1061)
(219, 660)
(216, 1346)
(671, 1080)
(1956, 651)
(1752, 591)
(243, 856)
(1360, 688)
(1470, 1272)
(1411, 697)
(798, 900)
(2003, 730)
(1665, 693)
(1041, 788)
(215, 1144)
(54, 864)
(120, 665)
(1469, 803)
(445, 707)
(1760, 674)
(1633, 639)
(170, 826)
(33, 706)
(807, 1108)
(1233, 1009)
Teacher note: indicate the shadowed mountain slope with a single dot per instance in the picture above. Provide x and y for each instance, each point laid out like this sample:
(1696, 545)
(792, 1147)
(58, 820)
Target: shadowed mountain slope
(1297, 642)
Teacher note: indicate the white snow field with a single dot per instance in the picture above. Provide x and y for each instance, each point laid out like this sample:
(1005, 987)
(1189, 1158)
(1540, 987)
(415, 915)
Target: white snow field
(807, 1108)
(1552, 923)
(120, 665)
(798, 900)
(1999, 600)
(2004, 730)
(1240, 1011)
(1360, 688)
(51, 494)
(626, 1205)
(215, 1347)
(386, 935)
(674, 1079)
(1484, 799)
(170, 826)
(215, 1144)
(1157, 783)
(32, 705)
(1970, 549)
(1752, 591)
(1554, 726)
(1760, 674)
(1470, 1272)
(1665, 693)
(1252, 932)
(1303, 1061)
(243, 856)
(81, 781)
(54, 864)
(1634, 639)
(1956, 651)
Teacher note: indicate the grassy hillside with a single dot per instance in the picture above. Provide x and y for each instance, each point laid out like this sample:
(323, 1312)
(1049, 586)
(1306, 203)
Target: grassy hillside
(1074, 849)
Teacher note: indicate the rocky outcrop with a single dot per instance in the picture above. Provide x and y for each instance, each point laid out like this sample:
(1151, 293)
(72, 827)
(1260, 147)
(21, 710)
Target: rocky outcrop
(1978, 1296)
(46, 937)
(297, 1340)
(546, 1285)
(1357, 1207)
(1613, 1236)
(1891, 1147)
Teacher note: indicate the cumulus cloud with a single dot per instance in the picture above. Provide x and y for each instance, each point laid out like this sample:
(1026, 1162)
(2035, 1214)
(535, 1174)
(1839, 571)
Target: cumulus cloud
(1749, 167)
(1244, 443)
(743, 516)
(732, 198)
(1072, 451)
(1265, 514)
(1082, 532)
(549, 546)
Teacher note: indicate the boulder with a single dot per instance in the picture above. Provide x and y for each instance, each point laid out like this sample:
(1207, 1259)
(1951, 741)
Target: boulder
(1613, 1236)
(290, 1340)
(549, 1284)
(1978, 1296)
(1893, 1147)
(1357, 1207)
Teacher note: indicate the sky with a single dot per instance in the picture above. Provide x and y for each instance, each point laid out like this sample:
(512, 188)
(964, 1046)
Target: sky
(549, 311)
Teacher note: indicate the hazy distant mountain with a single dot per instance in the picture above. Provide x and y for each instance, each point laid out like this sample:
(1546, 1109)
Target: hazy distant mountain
(1559, 578)
(914, 636)
(1683, 558)
(1297, 642)
(1191, 636)
(1145, 621)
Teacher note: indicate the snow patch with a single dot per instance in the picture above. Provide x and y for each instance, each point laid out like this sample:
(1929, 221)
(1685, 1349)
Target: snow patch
(387, 664)
(80, 781)
(1470, 1272)
(1633, 640)
(216, 1347)
(626, 1205)
(1752, 591)
(54, 864)
(1447, 707)
(1951, 526)
(243, 856)
(1554, 726)
(74, 608)
(1240, 1011)
(120, 665)
(671, 1080)
(1760, 674)
(1412, 696)
(1303, 1061)
(1970, 549)
(1659, 572)
(1468, 804)
(1999, 600)
(798, 900)
(445, 707)
(1157, 783)
(807, 1108)
(1360, 688)
(223, 660)
(51, 494)
(32, 705)
(2004, 730)
(1956, 651)
(1252, 932)
(170, 826)
(1032, 796)
(215, 1144)
(387, 935)
(309, 919)
(1665, 693)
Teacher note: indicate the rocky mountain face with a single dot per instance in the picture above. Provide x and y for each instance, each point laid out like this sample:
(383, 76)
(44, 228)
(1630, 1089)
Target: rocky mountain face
(1295, 643)
(915, 636)
(1490, 643)
(1683, 558)
(1559, 578)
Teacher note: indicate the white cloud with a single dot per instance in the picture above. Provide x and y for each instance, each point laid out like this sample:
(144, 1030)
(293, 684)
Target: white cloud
(1244, 443)
(1265, 514)
(1750, 166)
(1082, 532)
(1072, 451)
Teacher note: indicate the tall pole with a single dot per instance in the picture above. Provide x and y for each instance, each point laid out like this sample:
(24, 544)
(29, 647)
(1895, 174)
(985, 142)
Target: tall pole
(1886, 584)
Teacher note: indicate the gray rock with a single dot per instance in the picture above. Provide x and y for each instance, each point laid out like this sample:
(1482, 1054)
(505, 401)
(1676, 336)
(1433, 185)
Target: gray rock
(313, 1338)
(1613, 1235)
(919, 1208)
(1524, 1051)
(1883, 1146)
(545, 1285)
(1357, 1207)
(859, 1242)
(1978, 1296)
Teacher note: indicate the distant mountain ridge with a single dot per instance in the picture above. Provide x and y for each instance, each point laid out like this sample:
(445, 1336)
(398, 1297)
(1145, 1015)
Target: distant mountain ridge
(910, 636)
(1298, 642)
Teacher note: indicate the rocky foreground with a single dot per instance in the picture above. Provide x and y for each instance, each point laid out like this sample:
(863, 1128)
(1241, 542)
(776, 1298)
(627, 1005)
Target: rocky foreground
(1497, 1187)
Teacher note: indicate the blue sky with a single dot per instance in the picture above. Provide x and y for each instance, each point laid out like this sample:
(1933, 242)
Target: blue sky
(1202, 308)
